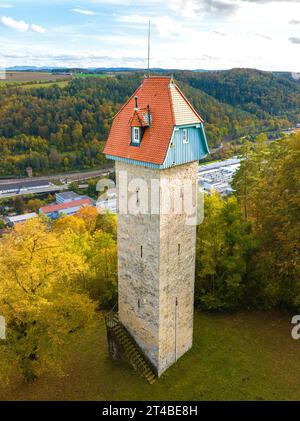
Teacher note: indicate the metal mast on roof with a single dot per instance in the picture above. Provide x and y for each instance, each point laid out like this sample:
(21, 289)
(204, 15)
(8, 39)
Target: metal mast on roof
(149, 40)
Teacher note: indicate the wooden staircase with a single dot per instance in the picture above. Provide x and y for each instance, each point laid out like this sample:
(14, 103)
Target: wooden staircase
(129, 348)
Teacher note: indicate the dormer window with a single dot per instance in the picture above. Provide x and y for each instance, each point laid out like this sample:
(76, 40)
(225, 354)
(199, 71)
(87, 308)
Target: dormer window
(136, 135)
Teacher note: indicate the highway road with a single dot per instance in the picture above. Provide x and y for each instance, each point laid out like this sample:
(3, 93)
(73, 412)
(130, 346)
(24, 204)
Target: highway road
(69, 176)
(51, 189)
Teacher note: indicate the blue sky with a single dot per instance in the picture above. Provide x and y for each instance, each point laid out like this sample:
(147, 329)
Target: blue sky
(190, 34)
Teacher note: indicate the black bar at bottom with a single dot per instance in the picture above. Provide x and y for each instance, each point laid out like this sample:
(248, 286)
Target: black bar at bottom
(136, 410)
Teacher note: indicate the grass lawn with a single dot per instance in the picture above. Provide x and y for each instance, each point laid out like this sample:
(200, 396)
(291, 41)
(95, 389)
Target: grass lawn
(245, 356)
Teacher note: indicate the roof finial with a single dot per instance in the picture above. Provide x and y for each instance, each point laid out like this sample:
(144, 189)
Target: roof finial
(149, 41)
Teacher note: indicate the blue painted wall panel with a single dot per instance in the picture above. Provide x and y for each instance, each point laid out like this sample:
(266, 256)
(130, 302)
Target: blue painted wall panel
(178, 152)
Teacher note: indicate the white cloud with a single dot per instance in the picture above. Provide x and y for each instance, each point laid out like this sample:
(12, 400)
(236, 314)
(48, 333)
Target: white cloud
(137, 19)
(84, 11)
(167, 26)
(37, 28)
(164, 24)
(5, 6)
(20, 25)
(194, 8)
(181, 38)
(17, 25)
(294, 40)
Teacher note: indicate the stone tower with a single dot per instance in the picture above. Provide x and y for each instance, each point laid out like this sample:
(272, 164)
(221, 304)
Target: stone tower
(156, 140)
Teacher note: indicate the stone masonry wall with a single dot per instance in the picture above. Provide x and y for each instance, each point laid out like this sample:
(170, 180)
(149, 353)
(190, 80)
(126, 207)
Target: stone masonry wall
(177, 274)
(156, 283)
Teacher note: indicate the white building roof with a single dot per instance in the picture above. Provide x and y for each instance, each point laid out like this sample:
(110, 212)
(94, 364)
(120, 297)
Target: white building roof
(21, 218)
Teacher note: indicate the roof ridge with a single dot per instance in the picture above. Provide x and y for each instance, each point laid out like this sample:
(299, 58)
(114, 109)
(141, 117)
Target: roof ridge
(173, 115)
(158, 77)
(171, 102)
(129, 99)
(139, 87)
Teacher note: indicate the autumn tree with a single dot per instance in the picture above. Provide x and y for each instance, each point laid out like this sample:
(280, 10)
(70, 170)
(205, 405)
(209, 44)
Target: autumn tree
(45, 308)
(102, 258)
(35, 204)
(95, 236)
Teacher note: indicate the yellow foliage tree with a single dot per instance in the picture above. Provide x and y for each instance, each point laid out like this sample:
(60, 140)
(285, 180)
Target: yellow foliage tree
(89, 216)
(44, 308)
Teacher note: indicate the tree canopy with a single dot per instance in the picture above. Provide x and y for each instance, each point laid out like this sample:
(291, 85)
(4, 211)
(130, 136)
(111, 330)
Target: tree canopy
(53, 277)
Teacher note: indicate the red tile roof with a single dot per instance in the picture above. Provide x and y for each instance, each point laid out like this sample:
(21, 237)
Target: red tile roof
(156, 93)
(140, 118)
(62, 206)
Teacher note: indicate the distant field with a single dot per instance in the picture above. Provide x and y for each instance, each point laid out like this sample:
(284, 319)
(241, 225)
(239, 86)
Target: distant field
(243, 356)
(61, 84)
(43, 79)
(33, 77)
(101, 75)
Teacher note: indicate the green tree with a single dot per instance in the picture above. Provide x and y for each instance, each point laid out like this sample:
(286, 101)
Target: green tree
(224, 245)
(91, 190)
(274, 212)
(73, 186)
(248, 178)
(19, 204)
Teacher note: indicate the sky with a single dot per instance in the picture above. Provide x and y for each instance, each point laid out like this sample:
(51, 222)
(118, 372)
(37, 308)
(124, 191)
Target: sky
(185, 34)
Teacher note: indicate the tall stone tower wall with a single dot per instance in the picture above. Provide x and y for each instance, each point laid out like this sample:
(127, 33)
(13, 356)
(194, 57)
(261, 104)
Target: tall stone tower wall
(156, 258)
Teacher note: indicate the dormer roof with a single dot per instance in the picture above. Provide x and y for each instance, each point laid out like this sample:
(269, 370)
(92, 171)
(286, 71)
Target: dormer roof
(168, 108)
(141, 118)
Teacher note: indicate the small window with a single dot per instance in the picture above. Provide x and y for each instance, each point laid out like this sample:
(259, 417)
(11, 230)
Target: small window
(141, 252)
(179, 249)
(185, 136)
(136, 135)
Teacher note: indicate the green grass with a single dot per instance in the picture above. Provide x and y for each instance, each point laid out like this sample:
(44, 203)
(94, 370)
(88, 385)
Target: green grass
(26, 85)
(61, 84)
(86, 75)
(245, 356)
(10, 83)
